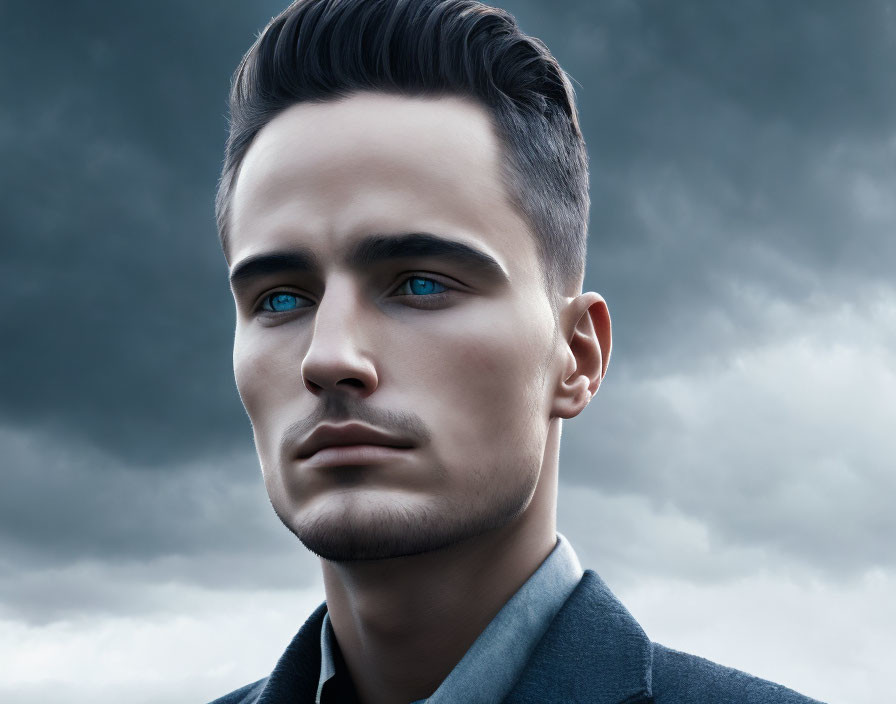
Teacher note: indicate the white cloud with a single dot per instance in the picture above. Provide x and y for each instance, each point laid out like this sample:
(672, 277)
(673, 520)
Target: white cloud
(784, 444)
(833, 642)
(212, 641)
(743, 607)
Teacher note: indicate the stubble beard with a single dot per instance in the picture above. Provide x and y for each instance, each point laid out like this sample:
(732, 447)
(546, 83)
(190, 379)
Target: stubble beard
(400, 530)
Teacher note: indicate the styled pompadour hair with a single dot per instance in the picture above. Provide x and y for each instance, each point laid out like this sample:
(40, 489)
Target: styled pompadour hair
(322, 50)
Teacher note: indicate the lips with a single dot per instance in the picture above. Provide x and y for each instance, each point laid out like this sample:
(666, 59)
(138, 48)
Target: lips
(325, 436)
(355, 456)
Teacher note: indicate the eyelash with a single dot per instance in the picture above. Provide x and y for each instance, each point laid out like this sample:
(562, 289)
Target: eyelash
(430, 297)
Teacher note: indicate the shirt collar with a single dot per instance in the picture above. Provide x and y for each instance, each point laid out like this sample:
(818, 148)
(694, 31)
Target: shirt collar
(327, 666)
(489, 669)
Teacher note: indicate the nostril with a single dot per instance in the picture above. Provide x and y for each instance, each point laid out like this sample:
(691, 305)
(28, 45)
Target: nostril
(317, 388)
(312, 387)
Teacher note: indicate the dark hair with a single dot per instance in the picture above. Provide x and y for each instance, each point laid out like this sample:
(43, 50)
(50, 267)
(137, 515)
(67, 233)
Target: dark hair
(320, 50)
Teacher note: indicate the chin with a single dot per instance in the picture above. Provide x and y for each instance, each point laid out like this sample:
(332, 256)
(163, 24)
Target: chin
(363, 529)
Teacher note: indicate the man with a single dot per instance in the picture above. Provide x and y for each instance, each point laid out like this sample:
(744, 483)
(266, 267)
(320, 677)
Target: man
(404, 208)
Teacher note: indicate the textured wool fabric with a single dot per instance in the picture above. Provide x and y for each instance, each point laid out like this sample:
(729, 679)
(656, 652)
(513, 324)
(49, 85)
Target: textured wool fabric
(594, 652)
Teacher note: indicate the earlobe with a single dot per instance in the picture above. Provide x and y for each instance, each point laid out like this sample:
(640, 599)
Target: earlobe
(588, 336)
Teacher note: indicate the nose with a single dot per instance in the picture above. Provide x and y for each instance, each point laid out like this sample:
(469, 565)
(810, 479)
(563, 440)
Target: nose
(336, 360)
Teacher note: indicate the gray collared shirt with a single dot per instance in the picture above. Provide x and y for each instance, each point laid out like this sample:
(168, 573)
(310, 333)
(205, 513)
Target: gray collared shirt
(489, 669)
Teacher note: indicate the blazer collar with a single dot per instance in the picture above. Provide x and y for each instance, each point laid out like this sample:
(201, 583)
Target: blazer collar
(297, 672)
(593, 651)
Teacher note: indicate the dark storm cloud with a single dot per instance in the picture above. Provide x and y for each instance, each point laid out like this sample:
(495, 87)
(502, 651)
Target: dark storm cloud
(82, 534)
(729, 142)
(136, 587)
(62, 503)
(113, 287)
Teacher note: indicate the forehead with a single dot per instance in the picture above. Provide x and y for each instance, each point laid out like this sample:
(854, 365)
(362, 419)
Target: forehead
(326, 174)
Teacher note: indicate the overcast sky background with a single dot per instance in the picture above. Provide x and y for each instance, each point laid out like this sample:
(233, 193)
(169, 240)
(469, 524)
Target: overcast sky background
(733, 480)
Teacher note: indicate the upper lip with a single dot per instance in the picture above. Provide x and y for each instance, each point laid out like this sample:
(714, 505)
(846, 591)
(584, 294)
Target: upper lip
(349, 434)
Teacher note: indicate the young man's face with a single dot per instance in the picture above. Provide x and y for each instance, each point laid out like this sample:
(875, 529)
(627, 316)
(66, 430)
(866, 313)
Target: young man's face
(455, 358)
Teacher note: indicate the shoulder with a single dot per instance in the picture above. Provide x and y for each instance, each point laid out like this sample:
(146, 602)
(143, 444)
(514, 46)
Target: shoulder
(681, 677)
(244, 695)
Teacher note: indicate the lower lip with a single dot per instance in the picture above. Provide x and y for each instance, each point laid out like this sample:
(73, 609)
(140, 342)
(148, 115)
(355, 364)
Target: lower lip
(353, 455)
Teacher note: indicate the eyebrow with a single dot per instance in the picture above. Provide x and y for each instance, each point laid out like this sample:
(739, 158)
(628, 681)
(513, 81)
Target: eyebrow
(370, 250)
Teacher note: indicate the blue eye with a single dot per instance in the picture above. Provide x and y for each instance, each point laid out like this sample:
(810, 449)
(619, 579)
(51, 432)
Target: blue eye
(417, 287)
(280, 302)
(421, 286)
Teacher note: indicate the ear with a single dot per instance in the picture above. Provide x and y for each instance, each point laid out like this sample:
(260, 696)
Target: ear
(586, 340)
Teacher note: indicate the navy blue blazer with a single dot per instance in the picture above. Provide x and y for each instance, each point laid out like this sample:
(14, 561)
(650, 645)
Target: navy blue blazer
(594, 652)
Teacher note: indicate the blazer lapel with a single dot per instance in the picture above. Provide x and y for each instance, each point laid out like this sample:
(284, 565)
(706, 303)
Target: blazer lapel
(594, 651)
(295, 677)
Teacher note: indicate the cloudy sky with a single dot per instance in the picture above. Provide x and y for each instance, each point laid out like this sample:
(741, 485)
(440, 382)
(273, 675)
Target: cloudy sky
(732, 481)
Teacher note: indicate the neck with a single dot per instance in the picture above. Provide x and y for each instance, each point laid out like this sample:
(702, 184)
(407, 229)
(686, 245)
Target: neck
(402, 624)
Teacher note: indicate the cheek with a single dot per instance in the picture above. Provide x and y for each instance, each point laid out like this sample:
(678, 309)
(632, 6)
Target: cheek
(267, 381)
(265, 375)
(483, 387)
